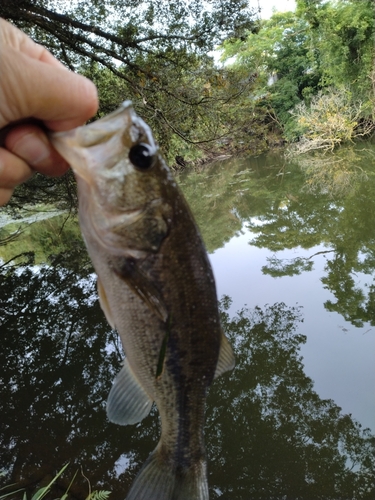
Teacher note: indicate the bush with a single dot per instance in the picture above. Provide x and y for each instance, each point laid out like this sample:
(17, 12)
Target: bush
(331, 119)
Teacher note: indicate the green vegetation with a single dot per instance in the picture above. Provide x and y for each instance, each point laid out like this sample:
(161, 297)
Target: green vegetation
(11, 491)
(38, 495)
(315, 69)
(304, 77)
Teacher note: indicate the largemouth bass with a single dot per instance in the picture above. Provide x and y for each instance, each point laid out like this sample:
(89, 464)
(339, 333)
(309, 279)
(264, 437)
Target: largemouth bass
(156, 288)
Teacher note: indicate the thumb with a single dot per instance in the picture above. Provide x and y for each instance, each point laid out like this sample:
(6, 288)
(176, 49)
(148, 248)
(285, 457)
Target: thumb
(34, 88)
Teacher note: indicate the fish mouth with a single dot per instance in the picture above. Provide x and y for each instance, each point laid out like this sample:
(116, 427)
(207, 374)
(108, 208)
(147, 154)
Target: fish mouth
(99, 145)
(92, 147)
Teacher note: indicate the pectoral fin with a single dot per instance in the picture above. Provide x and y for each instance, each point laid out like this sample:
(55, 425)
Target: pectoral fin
(226, 359)
(128, 403)
(104, 304)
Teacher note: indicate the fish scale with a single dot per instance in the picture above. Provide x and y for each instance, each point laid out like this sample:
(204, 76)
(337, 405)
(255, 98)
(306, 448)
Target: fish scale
(156, 287)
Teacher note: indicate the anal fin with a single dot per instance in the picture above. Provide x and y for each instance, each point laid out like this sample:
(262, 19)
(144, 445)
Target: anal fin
(226, 359)
(128, 403)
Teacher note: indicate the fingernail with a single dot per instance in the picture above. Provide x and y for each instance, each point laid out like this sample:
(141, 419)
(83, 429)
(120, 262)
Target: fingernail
(33, 148)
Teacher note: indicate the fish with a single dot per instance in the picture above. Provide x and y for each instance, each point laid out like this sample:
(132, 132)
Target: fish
(156, 288)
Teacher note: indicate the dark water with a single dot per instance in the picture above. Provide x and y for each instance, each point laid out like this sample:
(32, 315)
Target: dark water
(295, 276)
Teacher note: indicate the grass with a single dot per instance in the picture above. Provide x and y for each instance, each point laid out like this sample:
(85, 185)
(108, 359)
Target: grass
(42, 492)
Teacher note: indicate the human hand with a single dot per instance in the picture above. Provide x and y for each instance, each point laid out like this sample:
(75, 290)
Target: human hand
(33, 84)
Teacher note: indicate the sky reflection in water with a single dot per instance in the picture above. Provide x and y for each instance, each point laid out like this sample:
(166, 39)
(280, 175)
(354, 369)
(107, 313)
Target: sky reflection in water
(339, 357)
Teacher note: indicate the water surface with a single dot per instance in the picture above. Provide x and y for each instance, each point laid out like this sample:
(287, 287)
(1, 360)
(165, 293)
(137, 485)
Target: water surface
(282, 244)
(295, 275)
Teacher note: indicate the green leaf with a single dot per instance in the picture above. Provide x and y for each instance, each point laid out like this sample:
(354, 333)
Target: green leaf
(9, 494)
(43, 491)
(98, 495)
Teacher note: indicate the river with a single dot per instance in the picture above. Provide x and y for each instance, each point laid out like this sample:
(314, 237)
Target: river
(294, 270)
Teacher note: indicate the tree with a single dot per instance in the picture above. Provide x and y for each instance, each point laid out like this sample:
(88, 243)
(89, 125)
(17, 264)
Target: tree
(154, 53)
(280, 54)
(342, 31)
(324, 47)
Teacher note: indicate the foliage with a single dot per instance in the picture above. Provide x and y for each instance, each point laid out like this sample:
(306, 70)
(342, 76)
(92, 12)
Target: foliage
(99, 495)
(192, 116)
(279, 53)
(151, 52)
(40, 493)
(310, 64)
(45, 490)
(342, 32)
(331, 118)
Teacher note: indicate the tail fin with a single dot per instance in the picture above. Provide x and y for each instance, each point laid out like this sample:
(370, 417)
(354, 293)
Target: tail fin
(159, 479)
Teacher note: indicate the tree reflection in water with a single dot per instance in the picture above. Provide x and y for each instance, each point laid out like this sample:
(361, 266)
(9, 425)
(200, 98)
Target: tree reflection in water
(269, 435)
(266, 196)
(269, 432)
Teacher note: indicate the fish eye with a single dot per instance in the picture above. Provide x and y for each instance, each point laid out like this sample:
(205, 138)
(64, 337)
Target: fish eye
(142, 156)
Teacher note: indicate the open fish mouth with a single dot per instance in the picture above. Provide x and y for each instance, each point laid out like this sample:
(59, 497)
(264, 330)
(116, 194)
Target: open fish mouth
(90, 147)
